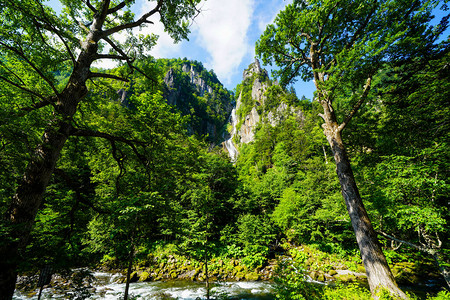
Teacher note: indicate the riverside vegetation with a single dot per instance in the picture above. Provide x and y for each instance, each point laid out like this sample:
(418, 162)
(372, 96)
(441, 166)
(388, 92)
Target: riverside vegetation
(130, 171)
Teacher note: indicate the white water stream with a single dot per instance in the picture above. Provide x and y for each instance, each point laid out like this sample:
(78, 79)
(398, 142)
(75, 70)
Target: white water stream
(107, 288)
(229, 144)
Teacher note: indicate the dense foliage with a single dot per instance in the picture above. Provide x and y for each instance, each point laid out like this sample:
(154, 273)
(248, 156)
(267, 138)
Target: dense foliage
(144, 171)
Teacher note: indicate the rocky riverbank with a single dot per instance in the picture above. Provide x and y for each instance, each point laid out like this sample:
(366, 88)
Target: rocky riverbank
(317, 266)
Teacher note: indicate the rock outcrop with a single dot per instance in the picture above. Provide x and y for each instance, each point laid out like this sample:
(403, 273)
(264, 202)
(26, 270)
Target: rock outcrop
(196, 80)
(246, 131)
(252, 101)
(188, 87)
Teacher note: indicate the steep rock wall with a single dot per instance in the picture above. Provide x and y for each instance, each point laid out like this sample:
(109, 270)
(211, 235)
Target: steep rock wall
(255, 86)
(208, 107)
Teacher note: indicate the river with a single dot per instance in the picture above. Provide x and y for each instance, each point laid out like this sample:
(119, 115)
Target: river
(106, 287)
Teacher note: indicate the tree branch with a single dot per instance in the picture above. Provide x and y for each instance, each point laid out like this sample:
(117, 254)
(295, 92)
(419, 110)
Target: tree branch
(77, 189)
(36, 69)
(23, 88)
(90, 6)
(104, 10)
(128, 59)
(119, 161)
(110, 56)
(137, 23)
(12, 72)
(49, 26)
(116, 8)
(421, 248)
(104, 75)
(357, 105)
(433, 252)
(302, 53)
(360, 29)
(92, 133)
(36, 106)
(131, 143)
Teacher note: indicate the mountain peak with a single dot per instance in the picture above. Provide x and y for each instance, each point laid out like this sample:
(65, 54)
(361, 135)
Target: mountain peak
(254, 68)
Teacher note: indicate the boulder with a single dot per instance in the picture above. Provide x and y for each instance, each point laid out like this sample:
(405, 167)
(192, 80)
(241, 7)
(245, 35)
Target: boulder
(145, 276)
(253, 276)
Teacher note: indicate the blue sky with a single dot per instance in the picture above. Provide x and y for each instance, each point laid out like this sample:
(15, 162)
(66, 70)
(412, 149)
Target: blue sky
(222, 37)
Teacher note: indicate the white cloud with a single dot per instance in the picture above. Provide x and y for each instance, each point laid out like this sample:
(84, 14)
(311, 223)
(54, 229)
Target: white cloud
(219, 35)
(222, 30)
(269, 16)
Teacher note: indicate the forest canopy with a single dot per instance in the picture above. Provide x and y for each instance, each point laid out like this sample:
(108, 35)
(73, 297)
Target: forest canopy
(128, 168)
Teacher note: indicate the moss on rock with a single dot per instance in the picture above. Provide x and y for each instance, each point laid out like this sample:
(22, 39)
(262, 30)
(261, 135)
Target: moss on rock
(406, 273)
(345, 277)
(253, 276)
(145, 276)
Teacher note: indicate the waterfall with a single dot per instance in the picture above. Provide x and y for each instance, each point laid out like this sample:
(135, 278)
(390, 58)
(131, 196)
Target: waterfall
(229, 144)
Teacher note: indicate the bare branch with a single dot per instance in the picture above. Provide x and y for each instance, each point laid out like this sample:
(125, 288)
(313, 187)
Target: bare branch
(131, 143)
(110, 56)
(118, 50)
(36, 106)
(91, 7)
(127, 58)
(297, 46)
(137, 23)
(104, 75)
(307, 36)
(54, 30)
(92, 133)
(116, 8)
(104, 9)
(294, 74)
(358, 104)
(421, 248)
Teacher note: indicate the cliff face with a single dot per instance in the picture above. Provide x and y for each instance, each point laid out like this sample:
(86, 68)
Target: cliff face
(198, 93)
(213, 111)
(246, 132)
(260, 101)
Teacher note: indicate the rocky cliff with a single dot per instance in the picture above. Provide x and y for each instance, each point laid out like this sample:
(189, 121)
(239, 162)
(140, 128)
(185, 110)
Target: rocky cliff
(260, 101)
(198, 93)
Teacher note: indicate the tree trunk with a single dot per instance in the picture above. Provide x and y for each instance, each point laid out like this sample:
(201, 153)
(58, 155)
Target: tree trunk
(25, 204)
(130, 266)
(130, 258)
(378, 272)
(206, 270)
(30, 191)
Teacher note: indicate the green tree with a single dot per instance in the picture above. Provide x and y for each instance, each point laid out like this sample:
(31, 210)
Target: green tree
(407, 168)
(206, 206)
(342, 45)
(35, 42)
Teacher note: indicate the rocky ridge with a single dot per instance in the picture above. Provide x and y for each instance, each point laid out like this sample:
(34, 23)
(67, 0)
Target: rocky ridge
(186, 87)
(243, 128)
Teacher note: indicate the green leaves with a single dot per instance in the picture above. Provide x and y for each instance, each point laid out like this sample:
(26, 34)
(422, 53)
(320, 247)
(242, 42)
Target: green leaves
(342, 42)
